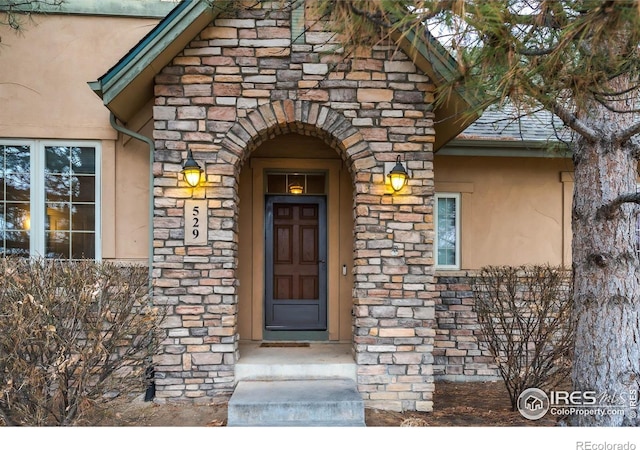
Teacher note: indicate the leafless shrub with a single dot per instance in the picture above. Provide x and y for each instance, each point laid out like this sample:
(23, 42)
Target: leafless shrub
(414, 422)
(71, 332)
(525, 316)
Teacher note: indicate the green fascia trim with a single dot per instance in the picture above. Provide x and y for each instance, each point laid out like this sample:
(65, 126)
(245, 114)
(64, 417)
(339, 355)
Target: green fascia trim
(155, 9)
(149, 48)
(509, 149)
(298, 23)
(96, 87)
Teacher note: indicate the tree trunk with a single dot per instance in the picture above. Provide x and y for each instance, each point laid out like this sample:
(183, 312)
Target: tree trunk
(607, 291)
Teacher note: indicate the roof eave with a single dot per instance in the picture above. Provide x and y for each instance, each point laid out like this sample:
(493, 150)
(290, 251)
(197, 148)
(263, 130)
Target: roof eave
(460, 110)
(128, 85)
(482, 146)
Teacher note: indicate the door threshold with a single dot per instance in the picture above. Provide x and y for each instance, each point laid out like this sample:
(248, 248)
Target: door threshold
(284, 344)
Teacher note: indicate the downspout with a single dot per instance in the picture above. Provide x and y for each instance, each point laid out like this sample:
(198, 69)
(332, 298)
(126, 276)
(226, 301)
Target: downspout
(149, 371)
(152, 148)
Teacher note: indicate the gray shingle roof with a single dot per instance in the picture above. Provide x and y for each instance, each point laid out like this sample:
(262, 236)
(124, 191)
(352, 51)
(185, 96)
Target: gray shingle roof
(506, 123)
(505, 131)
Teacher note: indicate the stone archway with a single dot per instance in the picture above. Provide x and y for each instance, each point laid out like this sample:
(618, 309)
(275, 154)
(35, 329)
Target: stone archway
(308, 120)
(263, 176)
(370, 124)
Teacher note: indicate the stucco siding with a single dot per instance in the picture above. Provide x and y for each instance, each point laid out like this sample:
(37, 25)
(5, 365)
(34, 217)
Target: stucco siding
(512, 209)
(45, 70)
(44, 93)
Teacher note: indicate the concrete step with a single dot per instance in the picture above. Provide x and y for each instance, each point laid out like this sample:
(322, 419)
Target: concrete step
(296, 403)
(318, 361)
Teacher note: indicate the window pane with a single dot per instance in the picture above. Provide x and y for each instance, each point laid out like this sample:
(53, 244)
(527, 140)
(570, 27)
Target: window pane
(58, 217)
(15, 186)
(65, 188)
(57, 245)
(446, 257)
(69, 184)
(57, 187)
(17, 159)
(15, 173)
(447, 232)
(76, 160)
(17, 216)
(16, 243)
(83, 189)
(315, 184)
(83, 160)
(83, 245)
(295, 182)
(57, 160)
(276, 184)
(70, 187)
(83, 217)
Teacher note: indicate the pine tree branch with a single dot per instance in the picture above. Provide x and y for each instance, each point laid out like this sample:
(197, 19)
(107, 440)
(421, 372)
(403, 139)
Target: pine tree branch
(375, 18)
(628, 133)
(563, 113)
(610, 210)
(14, 8)
(571, 120)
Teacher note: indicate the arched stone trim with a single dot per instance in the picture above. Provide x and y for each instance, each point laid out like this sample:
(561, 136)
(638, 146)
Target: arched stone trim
(310, 119)
(302, 117)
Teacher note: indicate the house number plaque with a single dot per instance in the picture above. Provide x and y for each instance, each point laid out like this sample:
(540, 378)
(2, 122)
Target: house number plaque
(195, 222)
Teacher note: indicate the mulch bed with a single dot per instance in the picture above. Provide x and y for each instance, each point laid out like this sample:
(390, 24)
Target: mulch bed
(475, 404)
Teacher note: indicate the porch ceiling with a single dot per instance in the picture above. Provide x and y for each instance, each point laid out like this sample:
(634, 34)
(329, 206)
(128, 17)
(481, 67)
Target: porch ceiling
(128, 85)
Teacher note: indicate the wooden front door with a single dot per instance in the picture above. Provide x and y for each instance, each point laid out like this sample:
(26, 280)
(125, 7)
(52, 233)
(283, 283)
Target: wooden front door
(295, 266)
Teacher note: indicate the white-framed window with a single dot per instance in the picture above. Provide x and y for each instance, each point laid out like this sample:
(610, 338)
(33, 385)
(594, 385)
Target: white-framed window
(50, 198)
(447, 220)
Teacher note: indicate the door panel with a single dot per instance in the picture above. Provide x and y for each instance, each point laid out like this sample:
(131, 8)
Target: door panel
(295, 266)
(283, 244)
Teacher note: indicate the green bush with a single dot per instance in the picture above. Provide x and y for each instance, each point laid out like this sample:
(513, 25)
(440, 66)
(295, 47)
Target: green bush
(72, 333)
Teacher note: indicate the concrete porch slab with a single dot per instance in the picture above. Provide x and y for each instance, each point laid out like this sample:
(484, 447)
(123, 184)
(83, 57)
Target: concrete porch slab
(319, 360)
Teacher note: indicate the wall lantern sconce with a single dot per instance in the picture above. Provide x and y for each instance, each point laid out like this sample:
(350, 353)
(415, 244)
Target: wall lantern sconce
(398, 176)
(296, 188)
(191, 170)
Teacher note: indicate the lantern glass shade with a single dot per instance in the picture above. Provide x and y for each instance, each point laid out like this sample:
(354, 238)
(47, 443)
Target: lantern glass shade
(398, 176)
(192, 176)
(296, 188)
(191, 171)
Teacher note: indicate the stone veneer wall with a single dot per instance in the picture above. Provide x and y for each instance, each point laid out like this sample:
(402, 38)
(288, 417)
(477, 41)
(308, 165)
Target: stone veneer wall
(238, 84)
(460, 353)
